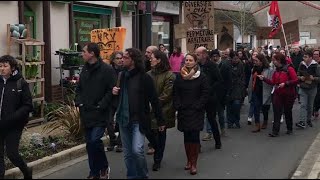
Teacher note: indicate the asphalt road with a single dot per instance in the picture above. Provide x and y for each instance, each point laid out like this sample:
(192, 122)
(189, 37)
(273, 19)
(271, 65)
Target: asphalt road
(243, 155)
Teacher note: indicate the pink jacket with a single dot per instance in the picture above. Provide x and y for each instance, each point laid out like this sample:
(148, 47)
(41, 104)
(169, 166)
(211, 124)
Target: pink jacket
(175, 62)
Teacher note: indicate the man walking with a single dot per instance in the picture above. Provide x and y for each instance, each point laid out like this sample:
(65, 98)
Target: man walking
(225, 86)
(211, 70)
(136, 92)
(93, 97)
(308, 75)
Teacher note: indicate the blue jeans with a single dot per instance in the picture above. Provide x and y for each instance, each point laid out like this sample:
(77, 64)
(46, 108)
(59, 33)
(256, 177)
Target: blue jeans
(95, 149)
(251, 109)
(233, 113)
(207, 124)
(133, 149)
(256, 102)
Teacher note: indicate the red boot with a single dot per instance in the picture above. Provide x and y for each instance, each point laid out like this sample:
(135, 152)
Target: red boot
(187, 149)
(194, 158)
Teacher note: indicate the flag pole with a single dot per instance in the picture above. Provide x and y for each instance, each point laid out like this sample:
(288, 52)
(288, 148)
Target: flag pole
(285, 39)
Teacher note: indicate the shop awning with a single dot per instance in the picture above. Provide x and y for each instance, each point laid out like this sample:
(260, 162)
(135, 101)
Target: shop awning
(92, 10)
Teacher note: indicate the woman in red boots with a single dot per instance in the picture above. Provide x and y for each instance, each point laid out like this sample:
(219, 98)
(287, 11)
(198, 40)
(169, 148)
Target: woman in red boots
(191, 92)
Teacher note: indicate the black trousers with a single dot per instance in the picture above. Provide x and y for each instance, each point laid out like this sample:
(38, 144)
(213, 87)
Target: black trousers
(192, 137)
(111, 129)
(157, 140)
(265, 111)
(211, 115)
(11, 142)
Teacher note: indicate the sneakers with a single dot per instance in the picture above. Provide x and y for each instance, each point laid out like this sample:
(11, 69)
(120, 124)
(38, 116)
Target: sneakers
(289, 132)
(282, 119)
(150, 151)
(301, 124)
(207, 137)
(249, 120)
(310, 124)
(105, 174)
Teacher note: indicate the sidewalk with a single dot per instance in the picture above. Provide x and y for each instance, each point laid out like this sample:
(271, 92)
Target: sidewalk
(309, 168)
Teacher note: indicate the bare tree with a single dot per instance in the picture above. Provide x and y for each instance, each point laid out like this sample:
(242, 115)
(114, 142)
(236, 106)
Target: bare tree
(243, 18)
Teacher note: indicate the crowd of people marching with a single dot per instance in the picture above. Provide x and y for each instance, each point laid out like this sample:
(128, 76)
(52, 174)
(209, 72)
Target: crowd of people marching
(141, 96)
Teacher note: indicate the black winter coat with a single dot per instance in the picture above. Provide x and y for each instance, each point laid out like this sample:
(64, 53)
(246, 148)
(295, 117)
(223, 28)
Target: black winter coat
(94, 91)
(142, 94)
(15, 105)
(225, 87)
(189, 99)
(212, 73)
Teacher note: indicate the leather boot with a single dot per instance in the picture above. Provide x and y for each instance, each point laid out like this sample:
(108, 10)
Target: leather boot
(188, 150)
(264, 125)
(257, 128)
(194, 158)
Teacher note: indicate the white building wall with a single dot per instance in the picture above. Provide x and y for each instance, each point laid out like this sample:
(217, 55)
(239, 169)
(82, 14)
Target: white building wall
(8, 15)
(59, 18)
(126, 21)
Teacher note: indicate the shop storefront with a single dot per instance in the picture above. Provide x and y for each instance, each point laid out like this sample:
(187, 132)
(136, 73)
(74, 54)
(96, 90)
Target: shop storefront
(163, 20)
(88, 17)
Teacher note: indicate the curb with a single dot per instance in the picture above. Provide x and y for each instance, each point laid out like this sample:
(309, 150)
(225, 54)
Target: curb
(309, 167)
(51, 161)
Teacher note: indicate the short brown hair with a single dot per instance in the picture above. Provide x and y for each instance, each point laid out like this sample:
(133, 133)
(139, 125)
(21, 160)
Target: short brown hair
(280, 57)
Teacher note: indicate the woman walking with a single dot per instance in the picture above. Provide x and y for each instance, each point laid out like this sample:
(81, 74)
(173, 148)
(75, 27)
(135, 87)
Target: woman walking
(283, 81)
(191, 92)
(259, 93)
(176, 60)
(163, 79)
(16, 104)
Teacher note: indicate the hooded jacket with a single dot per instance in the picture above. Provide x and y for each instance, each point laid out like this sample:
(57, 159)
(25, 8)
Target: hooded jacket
(305, 70)
(15, 104)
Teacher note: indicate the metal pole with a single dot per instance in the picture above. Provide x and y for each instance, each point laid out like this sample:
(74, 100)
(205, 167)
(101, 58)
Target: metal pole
(148, 23)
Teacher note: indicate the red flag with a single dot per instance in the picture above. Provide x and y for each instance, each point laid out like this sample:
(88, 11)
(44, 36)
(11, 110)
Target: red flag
(274, 13)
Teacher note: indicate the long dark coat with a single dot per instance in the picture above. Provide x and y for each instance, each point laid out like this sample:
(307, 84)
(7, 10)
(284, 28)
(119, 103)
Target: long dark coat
(189, 99)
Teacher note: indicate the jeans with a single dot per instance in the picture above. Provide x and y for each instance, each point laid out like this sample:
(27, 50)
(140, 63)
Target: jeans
(307, 99)
(265, 111)
(10, 142)
(251, 110)
(233, 113)
(96, 156)
(133, 149)
(256, 101)
(207, 124)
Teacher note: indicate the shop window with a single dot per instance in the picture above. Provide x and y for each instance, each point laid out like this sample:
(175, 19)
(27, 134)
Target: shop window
(161, 31)
(87, 19)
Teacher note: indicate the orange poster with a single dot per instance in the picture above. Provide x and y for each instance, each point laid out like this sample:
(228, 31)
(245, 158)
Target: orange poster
(109, 40)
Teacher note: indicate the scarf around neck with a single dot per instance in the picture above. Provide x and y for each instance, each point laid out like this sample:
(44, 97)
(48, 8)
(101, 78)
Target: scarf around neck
(190, 75)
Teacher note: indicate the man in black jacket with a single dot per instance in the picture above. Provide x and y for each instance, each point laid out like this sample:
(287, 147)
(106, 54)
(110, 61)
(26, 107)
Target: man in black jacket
(225, 86)
(93, 96)
(211, 70)
(15, 106)
(136, 92)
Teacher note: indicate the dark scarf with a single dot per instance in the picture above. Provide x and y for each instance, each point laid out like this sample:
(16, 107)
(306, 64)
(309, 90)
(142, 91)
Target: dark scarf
(255, 72)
